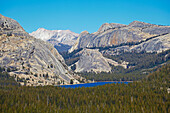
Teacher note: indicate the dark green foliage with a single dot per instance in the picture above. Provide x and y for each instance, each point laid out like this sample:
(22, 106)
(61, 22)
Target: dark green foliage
(9, 34)
(147, 96)
(67, 55)
(27, 79)
(8, 70)
(20, 79)
(6, 79)
(71, 81)
(132, 76)
(46, 76)
(73, 67)
(36, 75)
(51, 65)
(161, 76)
(141, 60)
(71, 58)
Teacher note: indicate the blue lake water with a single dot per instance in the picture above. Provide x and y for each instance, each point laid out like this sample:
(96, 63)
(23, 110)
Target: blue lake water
(90, 84)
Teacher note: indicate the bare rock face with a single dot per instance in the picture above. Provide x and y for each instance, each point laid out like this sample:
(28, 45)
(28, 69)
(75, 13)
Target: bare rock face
(91, 60)
(159, 44)
(9, 24)
(61, 39)
(30, 59)
(140, 24)
(115, 34)
(108, 26)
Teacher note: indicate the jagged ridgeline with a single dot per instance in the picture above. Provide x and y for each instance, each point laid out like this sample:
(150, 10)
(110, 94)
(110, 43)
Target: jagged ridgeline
(116, 34)
(62, 39)
(29, 60)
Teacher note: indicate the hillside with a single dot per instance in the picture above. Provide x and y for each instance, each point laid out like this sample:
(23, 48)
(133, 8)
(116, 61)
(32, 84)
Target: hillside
(139, 46)
(30, 59)
(91, 60)
(127, 66)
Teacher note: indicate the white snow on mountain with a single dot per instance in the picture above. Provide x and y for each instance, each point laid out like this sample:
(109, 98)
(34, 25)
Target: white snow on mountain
(66, 37)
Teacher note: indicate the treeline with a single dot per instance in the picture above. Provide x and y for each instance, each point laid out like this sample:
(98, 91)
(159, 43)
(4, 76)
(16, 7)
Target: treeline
(147, 96)
(71, 58)
(5, 78)
(117, 75)
(141, 60)
(140, 64)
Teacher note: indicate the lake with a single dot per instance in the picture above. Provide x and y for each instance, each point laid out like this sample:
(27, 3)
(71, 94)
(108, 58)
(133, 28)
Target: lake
(90, 84)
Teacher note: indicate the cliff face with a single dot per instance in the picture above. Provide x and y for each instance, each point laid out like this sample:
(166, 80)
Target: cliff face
(158, 44)
(29, 59)
(115, 34)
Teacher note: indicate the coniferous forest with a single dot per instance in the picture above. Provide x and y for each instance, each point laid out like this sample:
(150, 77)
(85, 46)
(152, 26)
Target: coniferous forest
(146, 96)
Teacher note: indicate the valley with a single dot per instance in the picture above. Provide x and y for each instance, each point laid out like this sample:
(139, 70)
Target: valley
(138, 49)
(84, 56)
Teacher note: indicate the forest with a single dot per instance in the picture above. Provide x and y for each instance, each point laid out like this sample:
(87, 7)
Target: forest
(148, 95)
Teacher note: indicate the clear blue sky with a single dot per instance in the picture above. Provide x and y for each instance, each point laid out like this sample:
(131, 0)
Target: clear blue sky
(80, 15)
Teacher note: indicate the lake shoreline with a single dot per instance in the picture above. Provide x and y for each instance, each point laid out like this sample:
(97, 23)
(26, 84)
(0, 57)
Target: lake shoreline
(92, 84)
(95, 82)
(114, 81)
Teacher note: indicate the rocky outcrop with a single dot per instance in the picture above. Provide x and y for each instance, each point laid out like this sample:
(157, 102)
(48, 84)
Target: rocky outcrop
(91, 60)
(61, 39)
(9, 26)
(158, 44)
(108, 26)
(30, 60)
(115, 34)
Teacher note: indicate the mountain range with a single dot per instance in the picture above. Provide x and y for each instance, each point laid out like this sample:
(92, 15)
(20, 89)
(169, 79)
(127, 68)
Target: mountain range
(33, 58)
(113, 38)
(116, 34)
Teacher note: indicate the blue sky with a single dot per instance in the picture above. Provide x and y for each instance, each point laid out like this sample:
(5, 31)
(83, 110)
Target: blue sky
(80, 15)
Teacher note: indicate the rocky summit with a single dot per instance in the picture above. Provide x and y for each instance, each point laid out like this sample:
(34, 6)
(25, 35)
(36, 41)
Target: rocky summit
(91, 60)
(61, 39)
(31, 61)
(116, 34)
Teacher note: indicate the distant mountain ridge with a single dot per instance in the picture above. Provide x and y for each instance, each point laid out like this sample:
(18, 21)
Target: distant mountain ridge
(114, 34)
(59, 38)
